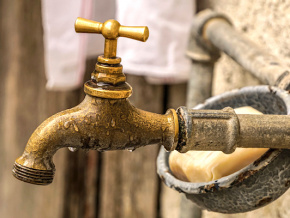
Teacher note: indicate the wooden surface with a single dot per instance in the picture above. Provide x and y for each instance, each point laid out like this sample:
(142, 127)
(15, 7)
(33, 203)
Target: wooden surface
(24, 105)
(87, 184)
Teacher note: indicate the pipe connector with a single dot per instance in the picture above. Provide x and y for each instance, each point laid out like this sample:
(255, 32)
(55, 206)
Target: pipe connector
(199, 48)
(203, 18)
(224, 130)
(213, 130)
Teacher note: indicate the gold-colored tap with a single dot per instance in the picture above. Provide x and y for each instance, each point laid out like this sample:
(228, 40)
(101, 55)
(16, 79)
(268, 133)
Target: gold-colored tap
(105, 120)
(108, 69)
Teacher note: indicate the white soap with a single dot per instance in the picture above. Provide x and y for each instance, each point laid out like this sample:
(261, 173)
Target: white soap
(205, 166)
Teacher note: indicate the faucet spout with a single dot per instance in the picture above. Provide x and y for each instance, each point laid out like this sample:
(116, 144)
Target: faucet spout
(99, 124)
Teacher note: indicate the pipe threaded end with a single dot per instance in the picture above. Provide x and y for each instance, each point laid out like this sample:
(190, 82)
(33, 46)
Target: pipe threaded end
(33, 176)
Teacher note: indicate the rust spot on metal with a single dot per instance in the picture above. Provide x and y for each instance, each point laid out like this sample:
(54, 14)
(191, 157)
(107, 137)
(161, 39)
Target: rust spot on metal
(243, 176)
(211, 188)
(183, 131)
(271, 90)
(264, 157)
(263, 202)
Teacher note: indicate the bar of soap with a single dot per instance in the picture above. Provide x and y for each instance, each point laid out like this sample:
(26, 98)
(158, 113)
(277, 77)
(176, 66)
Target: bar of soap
(205, 166)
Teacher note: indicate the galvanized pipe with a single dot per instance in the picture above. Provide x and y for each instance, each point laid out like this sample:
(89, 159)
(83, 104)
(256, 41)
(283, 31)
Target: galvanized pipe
(200, 83)
(199, 89)
(224, 130)
(217, 30)
(203, 58)
(264, 131)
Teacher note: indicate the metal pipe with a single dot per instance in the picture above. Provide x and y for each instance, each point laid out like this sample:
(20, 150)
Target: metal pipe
(266, 131)
(224, 130)
(203, 58)
(217, 30)
(199, 89)
(199, 84)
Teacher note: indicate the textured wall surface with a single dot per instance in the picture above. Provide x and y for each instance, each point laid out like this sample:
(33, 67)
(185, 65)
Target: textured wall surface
(267, 24)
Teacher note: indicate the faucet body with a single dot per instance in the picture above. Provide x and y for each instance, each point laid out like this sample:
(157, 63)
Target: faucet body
(105, 120)
(97, 123)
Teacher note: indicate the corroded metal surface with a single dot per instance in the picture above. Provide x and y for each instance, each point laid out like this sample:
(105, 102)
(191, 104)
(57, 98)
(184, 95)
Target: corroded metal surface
(253, 186)
(97, 123)
(224, 130)
(266, 131)
(216, 29)
(212, 130)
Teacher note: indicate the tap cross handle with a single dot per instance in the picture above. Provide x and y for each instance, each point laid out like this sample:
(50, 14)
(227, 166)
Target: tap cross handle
(111, 30)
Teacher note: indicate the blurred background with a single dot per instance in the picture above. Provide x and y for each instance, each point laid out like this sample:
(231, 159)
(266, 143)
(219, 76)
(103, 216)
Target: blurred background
(110, 184)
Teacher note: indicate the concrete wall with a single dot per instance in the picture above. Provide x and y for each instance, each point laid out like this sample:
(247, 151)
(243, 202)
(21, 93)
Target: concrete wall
(267, 24)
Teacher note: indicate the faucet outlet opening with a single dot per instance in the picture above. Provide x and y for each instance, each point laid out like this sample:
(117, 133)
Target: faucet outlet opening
(33, 176)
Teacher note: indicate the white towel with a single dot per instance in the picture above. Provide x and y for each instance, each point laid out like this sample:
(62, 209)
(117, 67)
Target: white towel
(162, 58)
(65, 51)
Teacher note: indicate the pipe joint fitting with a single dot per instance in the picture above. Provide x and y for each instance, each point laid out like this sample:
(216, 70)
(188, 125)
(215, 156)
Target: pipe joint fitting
(215, 130)
(204, 17)
(200, 49)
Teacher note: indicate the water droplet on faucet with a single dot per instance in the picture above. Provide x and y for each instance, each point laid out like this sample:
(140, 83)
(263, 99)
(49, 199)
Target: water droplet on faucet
(72, 149)
(113, 123)
(131, 149)
(66, 124)
(76, 128)
(87, 119)
(100, 150)
(112, 101)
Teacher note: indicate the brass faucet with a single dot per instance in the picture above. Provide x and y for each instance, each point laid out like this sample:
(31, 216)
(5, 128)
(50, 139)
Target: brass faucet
(105, 120)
